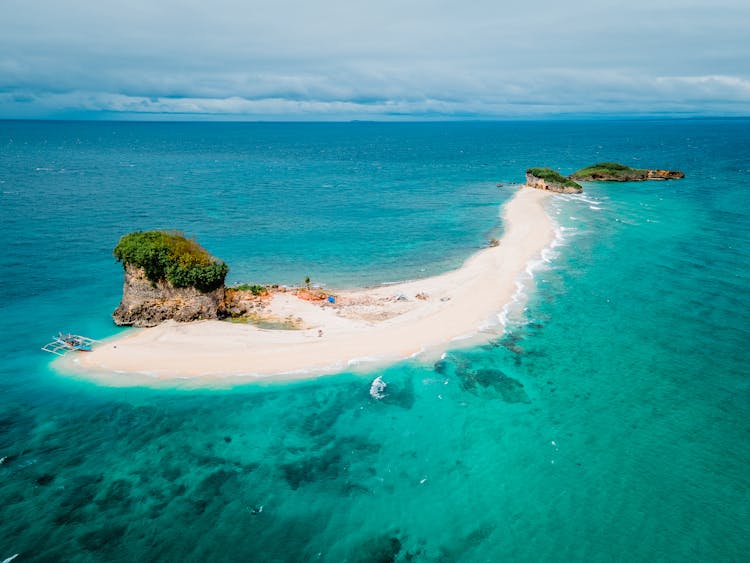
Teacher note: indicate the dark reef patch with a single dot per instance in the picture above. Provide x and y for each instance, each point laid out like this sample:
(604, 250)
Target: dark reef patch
(199, 506)
(117, 495)
(510, 343)
(459, 550)
(351, 489)
(171, 472)
(318, 425)
(330, 463)
(104, 539)
(15, 424)
(74, 461)
(77, 495)
(441, 367)
(400, 395)
(312, 468)
(44, 479)
(212, 485)
(511, 390)
(381, 549)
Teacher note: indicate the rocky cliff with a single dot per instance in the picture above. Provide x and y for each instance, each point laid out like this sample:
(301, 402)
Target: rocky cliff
(145, 303)
(548, 179)
(664, 175)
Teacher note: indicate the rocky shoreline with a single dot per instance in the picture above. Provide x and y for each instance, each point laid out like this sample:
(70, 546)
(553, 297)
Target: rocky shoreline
(551, 180)
(146, 304)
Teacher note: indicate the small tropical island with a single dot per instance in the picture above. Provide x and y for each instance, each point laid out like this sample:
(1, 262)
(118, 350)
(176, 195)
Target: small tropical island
(552, 181)
(616, 172)
(199, 329)
(176, 288)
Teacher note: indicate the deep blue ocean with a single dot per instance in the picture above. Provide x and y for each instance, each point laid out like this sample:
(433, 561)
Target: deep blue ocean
(610, 423)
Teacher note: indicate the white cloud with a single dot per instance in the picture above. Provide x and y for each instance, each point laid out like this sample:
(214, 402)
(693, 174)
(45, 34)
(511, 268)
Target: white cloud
(330, 57)
(724, 87)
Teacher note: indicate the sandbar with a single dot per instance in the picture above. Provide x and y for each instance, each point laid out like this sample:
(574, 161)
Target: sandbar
(366, 328)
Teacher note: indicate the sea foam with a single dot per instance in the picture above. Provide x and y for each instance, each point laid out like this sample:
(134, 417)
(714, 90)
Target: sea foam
(377, 388)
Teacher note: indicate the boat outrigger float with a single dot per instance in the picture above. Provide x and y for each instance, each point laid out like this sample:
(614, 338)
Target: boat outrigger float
(64, 343)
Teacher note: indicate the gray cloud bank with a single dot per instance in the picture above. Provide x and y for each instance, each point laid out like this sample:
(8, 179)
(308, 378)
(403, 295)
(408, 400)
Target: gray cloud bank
(365, 60)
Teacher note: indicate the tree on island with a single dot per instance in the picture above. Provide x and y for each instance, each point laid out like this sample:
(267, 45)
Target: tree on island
(170, 256)
(548, 179)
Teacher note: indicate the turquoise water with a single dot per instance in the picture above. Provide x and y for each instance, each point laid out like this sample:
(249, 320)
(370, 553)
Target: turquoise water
(609, 423)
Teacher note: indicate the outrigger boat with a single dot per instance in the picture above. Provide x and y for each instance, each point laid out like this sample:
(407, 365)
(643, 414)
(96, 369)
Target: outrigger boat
(64, 343)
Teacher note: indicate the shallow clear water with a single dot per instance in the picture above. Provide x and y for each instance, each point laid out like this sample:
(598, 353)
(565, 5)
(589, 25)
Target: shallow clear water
(609, 423)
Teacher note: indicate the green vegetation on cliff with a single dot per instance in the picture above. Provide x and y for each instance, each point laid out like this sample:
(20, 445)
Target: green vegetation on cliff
(170, 256)
(609, 170)
(552, 177)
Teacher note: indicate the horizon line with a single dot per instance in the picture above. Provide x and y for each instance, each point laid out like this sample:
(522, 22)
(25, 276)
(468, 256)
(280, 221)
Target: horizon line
(169, 118)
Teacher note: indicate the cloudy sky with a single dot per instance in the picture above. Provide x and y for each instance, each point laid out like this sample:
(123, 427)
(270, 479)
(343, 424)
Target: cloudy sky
(374, 59)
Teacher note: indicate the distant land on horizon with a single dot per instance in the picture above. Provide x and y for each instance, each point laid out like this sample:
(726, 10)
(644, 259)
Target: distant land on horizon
(170, 118)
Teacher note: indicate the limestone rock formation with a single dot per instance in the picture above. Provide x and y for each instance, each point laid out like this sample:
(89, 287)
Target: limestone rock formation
(243, 303)
(145, 303)
(548, 179)
(664, 175)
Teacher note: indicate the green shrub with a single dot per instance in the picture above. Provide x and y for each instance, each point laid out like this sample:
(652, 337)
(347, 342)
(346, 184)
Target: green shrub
(611, 166)
(608, 169)
(258, 289)
(552, 176)
(255, 289)
(170, 256)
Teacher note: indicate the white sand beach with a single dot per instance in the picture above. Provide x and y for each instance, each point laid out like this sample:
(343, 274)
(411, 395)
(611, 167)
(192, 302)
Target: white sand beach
(364, 328)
